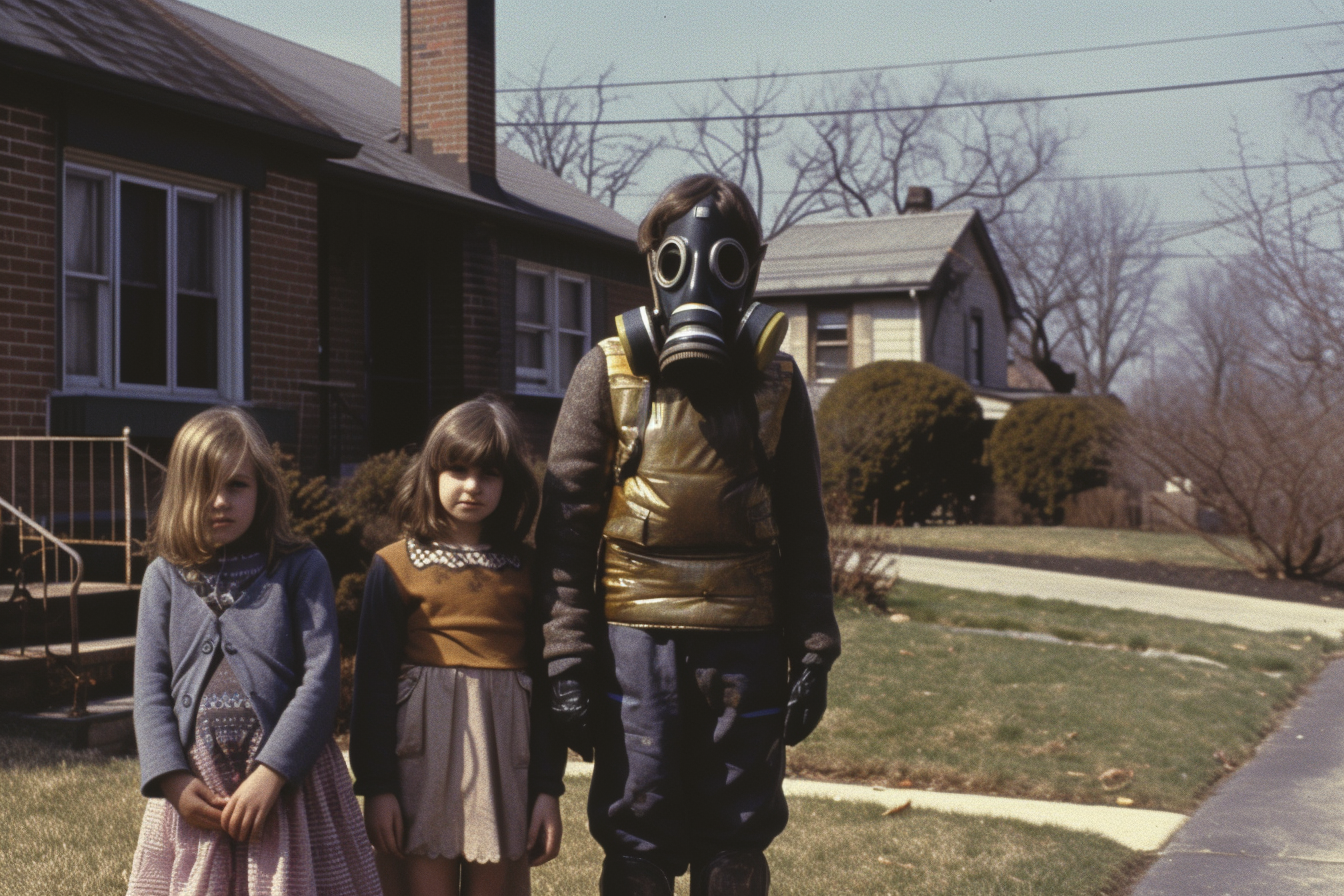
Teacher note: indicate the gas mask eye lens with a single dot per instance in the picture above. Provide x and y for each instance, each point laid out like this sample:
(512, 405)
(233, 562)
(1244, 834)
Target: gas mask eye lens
(669, 262)
(728, 261)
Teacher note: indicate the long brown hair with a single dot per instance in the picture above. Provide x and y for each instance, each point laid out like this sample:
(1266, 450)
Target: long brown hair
(482, 432)
(207, 451)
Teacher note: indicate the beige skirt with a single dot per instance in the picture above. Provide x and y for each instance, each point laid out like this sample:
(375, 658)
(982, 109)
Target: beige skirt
(462, 752)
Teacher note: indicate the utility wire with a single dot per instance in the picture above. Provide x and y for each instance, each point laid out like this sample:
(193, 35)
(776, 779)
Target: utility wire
(906, 65)
(958, 104)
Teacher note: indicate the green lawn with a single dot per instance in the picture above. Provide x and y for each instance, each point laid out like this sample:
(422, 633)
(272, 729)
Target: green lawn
(70, 822)
(1064, 541)
(925, 702)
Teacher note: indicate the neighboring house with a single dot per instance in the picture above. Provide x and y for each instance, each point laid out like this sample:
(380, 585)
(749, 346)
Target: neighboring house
(922, 286)
(194, 212)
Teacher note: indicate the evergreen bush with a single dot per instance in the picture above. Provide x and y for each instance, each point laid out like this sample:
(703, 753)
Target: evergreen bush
(899, 440)
(1047, 449)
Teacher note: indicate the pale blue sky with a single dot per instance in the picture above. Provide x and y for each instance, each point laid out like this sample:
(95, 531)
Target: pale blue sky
(694, 38)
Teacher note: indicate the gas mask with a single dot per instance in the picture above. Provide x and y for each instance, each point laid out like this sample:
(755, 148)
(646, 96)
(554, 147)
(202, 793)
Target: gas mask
(703, 324)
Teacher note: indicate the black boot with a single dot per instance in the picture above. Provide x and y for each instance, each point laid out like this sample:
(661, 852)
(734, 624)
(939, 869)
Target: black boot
(740, 873)
(629, 876)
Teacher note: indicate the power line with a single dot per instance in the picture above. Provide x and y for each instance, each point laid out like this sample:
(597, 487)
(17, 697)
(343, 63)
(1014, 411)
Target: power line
(959, 104)
(907, 65)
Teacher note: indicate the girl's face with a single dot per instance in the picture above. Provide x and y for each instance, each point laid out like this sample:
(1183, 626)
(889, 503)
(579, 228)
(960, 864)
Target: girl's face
(231, 510)
(469, 493)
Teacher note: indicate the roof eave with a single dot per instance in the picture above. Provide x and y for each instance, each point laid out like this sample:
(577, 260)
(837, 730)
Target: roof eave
(328, 144)
(478, 204)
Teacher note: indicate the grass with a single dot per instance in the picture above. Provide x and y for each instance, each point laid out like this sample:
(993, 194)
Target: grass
(1183, 549)
(71, 819)
(924, 702)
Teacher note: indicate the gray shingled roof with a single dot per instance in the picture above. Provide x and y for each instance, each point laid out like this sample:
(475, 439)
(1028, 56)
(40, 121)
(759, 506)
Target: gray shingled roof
(135, 40)
(861, 254)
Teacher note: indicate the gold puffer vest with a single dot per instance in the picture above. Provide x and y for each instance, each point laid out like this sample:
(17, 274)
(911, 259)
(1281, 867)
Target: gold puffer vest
(690, 537)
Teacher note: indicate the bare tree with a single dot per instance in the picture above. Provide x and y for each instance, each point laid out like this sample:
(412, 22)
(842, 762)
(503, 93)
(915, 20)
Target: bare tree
(563, 131)
(1119, 253)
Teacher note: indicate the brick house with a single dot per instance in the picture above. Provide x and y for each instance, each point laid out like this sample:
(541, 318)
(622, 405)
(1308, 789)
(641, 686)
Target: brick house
(195, 212)
(921, 286)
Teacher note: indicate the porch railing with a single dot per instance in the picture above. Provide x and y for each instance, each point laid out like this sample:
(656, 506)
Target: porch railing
(87, 491)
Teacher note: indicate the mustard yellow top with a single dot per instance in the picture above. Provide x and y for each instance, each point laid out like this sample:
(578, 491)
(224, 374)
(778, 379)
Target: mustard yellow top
(464, 607)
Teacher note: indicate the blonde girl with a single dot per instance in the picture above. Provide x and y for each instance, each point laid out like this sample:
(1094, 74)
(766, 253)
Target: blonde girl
(448, 745)
(237, 676)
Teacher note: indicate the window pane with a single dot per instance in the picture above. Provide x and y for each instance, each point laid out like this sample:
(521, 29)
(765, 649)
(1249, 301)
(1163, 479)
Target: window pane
(195, 245)
(84, 225)
(832, 320)
(144, 298)
(197, 342)
(531, 298)
(571, 350)
(571, 306)
(832, 362)
(531, 349)
(81, 326)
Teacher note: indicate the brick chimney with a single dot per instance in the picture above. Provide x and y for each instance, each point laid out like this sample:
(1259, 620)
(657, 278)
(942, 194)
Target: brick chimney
(448, 87)
(918, 199)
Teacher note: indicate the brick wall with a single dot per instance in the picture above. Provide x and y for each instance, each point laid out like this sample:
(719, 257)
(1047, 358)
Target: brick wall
(346, 344)
(284, 315)
(480, 309)
(27, 268)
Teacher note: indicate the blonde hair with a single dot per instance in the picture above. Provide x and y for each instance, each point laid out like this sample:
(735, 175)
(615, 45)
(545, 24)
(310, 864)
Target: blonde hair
(207, 451)
(482, 432)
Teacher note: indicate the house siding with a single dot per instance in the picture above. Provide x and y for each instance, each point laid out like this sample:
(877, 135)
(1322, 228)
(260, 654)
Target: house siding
(27, 266)
(284, 335)
(895, 330)
(978, 294)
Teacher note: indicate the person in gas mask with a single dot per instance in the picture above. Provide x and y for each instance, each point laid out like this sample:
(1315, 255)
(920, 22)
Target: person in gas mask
(690, 626)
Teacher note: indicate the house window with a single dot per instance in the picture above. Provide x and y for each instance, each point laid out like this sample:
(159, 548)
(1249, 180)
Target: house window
(830, 345)
(975, 349)
(152, 292)
(553, 329)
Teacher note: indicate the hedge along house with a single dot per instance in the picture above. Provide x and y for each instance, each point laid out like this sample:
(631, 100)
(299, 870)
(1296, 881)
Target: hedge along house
(921, 286)
(194, 212)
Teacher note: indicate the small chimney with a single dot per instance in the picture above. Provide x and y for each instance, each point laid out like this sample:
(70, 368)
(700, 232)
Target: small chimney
(448, 86)
(918, 199)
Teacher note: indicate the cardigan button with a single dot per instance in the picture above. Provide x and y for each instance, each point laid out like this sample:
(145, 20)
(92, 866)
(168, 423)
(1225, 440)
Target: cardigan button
(229, 648)
(186, 699)
(208, 647)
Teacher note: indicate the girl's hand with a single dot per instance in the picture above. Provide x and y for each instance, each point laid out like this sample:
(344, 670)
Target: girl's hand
(382, 821)
(246, 811)
(198, 805)
(543, 832)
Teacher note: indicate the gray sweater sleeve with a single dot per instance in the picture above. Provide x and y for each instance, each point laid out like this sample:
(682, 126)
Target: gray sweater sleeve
(156, 725)
(573, 513)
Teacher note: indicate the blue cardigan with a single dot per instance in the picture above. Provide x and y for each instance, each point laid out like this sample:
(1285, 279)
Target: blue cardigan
(280, 639)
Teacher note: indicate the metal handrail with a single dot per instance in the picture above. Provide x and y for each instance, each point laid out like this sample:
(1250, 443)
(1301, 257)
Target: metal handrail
(80, 706)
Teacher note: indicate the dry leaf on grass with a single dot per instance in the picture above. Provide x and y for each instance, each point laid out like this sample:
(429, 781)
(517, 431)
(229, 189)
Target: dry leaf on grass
(899, 617)
(1123, 801)
(897, 809)
(1222, 757)
(1115, 778)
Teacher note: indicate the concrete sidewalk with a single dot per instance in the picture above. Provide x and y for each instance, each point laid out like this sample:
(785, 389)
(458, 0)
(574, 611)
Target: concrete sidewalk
(1276, 826)
(1144, 830)
(1256, 613)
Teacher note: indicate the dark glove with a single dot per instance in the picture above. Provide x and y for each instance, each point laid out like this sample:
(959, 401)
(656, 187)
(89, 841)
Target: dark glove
(572, 712)
(807, 704)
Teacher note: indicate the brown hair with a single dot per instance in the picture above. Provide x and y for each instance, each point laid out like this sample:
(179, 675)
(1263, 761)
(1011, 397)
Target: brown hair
(482, 432)
(207, 451)
(686, 194)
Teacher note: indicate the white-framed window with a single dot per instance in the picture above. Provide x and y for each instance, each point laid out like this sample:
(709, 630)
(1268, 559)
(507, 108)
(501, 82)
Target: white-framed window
(553, 329)
(830, 345)
(152, 284)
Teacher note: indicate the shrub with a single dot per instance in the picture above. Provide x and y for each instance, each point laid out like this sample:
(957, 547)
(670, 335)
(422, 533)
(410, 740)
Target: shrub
(366, 496)
(1047, 449)
(899, 439)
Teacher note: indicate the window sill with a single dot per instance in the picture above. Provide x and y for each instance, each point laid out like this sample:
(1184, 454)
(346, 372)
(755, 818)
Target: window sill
(107, 413)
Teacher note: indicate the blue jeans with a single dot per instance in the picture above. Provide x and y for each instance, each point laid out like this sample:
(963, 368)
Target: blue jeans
(689, 747)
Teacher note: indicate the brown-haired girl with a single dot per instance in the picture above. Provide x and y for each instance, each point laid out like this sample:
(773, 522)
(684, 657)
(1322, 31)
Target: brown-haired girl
(237, 677)
(449, 748)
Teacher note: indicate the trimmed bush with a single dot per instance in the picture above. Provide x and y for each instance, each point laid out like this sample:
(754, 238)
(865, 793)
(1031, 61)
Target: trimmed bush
(900, 439)
(1046, 449)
